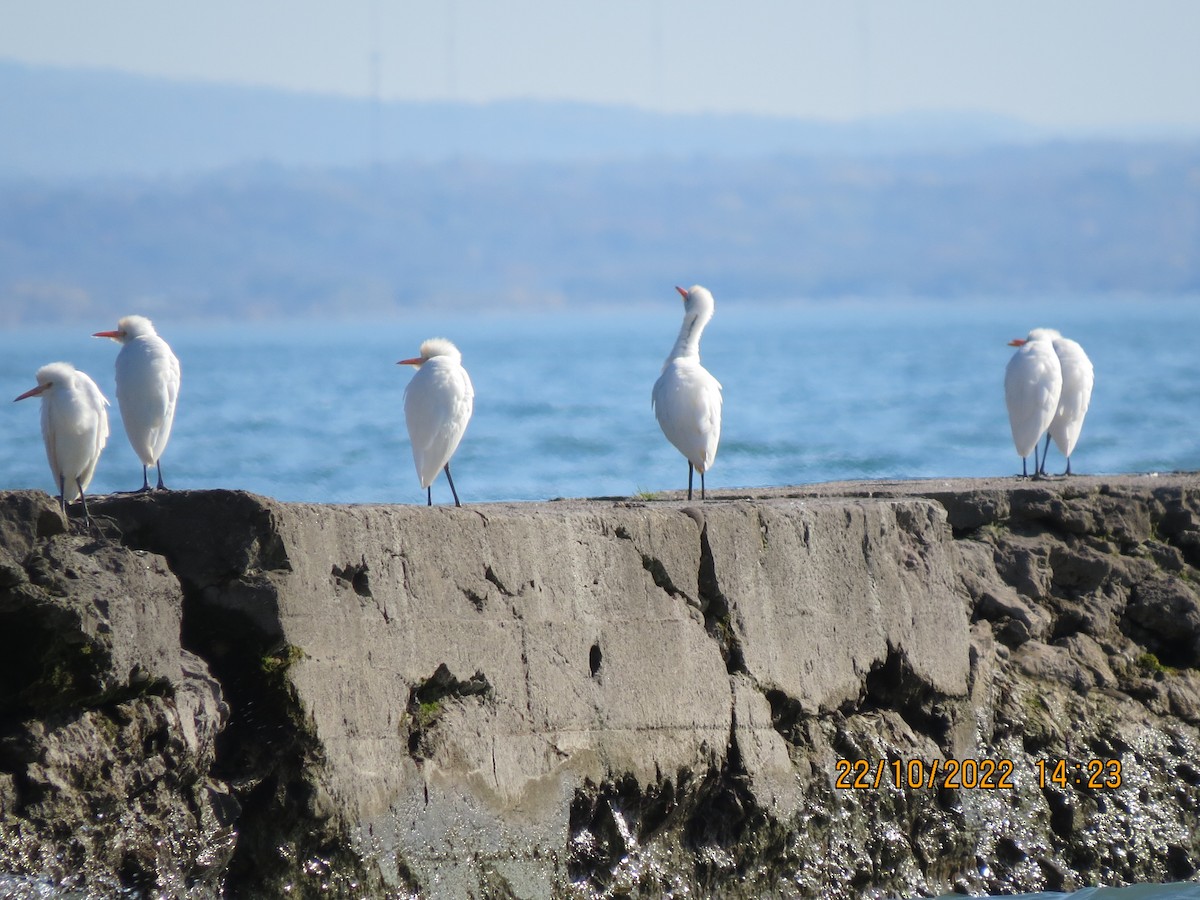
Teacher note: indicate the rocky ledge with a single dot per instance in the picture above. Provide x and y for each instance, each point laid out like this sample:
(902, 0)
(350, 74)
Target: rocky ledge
(849, 690)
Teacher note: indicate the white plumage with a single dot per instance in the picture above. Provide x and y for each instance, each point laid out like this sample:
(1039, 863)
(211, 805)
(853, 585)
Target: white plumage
(438, 403)
(74, 427)
(686, 398)
(1078, 378)
(147, 390)
(1032, 386)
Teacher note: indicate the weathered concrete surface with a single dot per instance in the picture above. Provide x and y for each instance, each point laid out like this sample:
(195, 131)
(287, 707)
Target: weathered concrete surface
(597, 697)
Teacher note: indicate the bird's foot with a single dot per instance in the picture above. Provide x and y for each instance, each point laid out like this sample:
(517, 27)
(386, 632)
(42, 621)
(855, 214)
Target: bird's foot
(97, 526)
(83, 524)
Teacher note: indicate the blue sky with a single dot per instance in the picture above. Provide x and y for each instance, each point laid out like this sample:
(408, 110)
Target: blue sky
(1086, 64)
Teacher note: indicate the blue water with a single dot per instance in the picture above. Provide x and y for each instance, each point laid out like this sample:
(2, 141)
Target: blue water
(24, 888)
(813, 392)
(1178, 891)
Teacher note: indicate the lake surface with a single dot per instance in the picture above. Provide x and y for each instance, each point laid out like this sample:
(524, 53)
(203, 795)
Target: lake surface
(813, 392)
(1179, 891)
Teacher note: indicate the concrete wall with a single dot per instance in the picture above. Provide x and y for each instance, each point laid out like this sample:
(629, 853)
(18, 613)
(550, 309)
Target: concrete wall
(588, 697)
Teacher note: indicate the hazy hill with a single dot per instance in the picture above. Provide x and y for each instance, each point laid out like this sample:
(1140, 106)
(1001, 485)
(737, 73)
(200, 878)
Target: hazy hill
(57, 123)
(122, 193)
(272, 241)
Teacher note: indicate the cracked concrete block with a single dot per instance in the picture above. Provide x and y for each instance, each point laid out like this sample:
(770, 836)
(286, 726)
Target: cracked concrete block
(819, 593)
(584, 624)
(773, 781)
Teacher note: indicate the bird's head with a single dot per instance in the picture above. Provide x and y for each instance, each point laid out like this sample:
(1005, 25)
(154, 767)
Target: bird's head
(48, 377)
(431, 348)
(128, 328)
(696, 299)
(698, 308)
(1038, 334)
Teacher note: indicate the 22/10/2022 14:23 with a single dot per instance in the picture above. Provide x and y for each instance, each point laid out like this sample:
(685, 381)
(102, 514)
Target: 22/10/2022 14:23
(974, 774)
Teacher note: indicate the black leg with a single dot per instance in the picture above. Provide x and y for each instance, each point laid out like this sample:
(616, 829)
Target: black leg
(1024, 470)
(62, 494)
(87, 519)
(701, 485)
(161, 486)
(690, 479)
(429, 496)
(1068, 472)
(451, 480)
(1045, 452)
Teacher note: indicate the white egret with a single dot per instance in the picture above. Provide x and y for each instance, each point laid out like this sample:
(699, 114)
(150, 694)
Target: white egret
(1077, 380)
(74, 428)
(1032, 385)
(147, 388)
(437, 406)
(686, 398)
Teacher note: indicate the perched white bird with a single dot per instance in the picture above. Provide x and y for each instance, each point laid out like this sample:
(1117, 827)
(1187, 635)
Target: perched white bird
(74, 428)
(147, 388)
(437, 407)
(1077, 380)
(686, 398)
(1032, 386)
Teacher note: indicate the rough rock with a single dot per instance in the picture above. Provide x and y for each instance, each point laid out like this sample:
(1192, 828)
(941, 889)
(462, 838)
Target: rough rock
(108, 726)
(848, 690)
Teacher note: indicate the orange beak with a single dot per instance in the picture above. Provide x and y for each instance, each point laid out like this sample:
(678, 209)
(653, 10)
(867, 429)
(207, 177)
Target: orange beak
(107, 334)
(682, 292)
(31, 393)
(415, 361)
(1018, 342)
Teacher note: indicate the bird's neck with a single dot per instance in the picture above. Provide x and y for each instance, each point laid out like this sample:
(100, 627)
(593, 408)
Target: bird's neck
(688, 342)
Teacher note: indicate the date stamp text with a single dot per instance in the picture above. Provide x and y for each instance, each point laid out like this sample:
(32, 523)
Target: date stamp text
(974, 774)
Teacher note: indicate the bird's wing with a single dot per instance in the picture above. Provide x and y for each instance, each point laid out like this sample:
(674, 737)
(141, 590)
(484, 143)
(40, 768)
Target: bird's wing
(147, 389)
(1078, 378)
(1032, 384)
(438, 403)
(169, 372)
(50, 441)
(1077, 381)
(95, 403)
(687, 403)
(711, 406)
